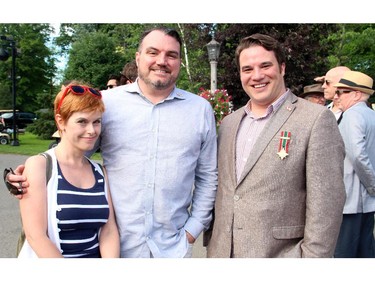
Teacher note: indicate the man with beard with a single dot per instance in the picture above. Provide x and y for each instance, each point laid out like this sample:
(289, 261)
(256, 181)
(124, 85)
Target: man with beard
(158, 145)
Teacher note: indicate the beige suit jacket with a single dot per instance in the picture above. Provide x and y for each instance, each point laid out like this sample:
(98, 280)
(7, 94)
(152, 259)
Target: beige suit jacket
(289, 207)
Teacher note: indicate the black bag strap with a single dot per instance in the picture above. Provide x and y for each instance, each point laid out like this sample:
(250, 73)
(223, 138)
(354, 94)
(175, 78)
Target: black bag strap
(48, 165)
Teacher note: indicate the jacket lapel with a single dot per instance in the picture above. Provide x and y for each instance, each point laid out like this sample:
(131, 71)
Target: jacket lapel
(231, 144)
(272, 127)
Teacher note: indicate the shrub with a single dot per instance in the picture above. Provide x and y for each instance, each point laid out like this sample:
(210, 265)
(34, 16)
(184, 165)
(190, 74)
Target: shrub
(220, 101)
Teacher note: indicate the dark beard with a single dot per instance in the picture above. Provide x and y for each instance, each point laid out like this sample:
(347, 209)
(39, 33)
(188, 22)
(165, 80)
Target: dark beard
(158, 85)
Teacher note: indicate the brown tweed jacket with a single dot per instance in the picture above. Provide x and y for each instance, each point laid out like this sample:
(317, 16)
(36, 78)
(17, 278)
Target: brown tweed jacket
(289, 207)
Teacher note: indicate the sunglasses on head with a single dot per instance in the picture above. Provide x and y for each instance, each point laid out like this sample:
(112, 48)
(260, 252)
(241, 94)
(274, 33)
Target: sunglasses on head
(79, 91)
(12, 189)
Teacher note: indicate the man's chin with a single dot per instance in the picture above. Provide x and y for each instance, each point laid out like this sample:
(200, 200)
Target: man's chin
(162, 85)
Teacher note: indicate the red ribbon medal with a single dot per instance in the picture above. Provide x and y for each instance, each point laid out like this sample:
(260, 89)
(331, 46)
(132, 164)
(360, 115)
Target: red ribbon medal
(284, 144)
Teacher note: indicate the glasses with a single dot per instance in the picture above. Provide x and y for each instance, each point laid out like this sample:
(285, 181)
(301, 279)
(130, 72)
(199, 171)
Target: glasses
(110, 86)
(12, 189)
(327, 82)
(79, 91)
(339, 93)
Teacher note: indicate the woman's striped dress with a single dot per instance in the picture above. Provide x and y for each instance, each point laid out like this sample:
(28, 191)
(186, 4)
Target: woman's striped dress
(80, 215)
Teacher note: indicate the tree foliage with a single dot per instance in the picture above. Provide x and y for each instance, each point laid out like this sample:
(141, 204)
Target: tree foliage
(96, 50)
(35, 66)
(93, 58)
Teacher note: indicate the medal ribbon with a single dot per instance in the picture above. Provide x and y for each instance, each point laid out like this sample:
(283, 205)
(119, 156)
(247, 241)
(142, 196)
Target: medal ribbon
(284, 141)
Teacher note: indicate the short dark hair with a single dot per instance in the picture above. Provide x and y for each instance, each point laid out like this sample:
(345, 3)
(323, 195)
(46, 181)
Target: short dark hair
(129, 72)
(265, 41)
(166, 30)
(115, 77)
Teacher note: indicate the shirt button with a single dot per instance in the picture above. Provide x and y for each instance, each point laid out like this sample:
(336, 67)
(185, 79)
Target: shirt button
(236, 197)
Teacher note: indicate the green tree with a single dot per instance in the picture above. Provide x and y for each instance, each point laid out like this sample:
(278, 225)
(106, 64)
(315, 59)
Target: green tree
(35, 67)
(353, 45)
(93, 58)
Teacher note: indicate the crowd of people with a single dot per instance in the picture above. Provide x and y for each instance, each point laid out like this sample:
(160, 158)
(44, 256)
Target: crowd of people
(348, 92)
(283, 177)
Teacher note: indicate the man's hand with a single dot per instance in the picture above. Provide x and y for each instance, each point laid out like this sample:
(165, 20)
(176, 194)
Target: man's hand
(190, 238)
(17, 178)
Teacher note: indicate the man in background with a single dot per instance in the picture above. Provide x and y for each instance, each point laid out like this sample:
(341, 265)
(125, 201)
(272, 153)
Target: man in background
(356, 239)
(113, 81)
(332, 77)
(314, 93)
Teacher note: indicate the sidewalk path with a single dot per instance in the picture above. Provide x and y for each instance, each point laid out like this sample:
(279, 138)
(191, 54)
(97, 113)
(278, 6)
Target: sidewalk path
(10, 221)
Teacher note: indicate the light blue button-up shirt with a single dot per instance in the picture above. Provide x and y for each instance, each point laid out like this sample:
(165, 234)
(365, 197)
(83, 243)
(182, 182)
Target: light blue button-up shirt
(161, 161)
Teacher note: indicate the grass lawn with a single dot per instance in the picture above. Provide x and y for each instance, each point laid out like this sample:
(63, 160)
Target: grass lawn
(30, 144)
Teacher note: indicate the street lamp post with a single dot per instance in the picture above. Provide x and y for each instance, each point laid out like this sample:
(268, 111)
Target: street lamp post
(4, 56)
(213, 54)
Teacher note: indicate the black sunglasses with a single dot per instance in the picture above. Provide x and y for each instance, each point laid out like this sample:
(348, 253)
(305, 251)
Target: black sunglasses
(340, 93)
(110, 86)
(12, 189)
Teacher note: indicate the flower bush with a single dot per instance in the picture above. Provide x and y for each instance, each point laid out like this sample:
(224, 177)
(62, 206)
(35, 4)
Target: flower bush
(220, 101)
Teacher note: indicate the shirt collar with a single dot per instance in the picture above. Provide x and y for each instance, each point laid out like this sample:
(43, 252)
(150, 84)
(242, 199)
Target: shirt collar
(273, 107)
(175, 94)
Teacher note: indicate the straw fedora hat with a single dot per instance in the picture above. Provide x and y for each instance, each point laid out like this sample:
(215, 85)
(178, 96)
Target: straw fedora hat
(312, 89)
(357, 81)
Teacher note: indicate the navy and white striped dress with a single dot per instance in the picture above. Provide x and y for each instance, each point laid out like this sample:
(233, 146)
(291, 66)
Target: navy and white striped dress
(80, 215)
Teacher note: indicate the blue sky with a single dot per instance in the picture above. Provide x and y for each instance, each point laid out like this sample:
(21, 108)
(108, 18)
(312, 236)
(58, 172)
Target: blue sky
(61, 63)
